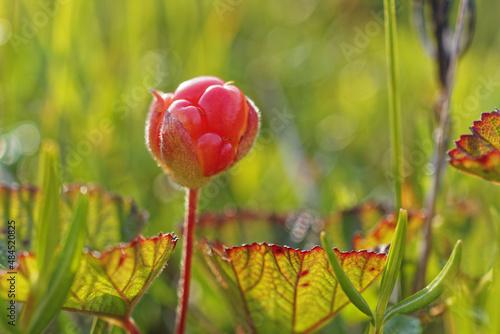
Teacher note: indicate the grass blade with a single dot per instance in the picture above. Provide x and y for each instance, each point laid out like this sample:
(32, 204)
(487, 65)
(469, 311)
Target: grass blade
(48, 222)
(392, 266)
(47, 227)
(394, 100)
(63, 270)
(349, 289)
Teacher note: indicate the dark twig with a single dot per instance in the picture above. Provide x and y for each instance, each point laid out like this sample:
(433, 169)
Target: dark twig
(439, 45)
(447, 67)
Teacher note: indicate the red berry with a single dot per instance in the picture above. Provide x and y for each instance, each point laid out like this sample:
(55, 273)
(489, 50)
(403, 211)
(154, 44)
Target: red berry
(226, 110)
(190, 116)
(193, 89)
(202, 129)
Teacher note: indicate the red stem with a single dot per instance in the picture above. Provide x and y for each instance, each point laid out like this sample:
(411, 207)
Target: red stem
(187, 256)
(130, 326)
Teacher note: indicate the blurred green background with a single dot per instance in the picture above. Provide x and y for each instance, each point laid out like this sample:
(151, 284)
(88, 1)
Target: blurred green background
(78, 72)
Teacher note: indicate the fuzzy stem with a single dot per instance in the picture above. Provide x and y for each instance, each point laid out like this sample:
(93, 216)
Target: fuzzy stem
(442, 138)
(187, 256)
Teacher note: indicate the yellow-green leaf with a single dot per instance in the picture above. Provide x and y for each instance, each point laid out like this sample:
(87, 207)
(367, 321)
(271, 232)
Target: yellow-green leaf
(285, 289)
(107, 284)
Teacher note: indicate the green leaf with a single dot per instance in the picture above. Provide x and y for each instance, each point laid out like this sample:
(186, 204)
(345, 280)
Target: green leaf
(62, 271)
(347, 286)
(403, 324)
(479, 154)
(431, 292)
(392, 267)
(111, 218)
(285, 289)
(107, 284)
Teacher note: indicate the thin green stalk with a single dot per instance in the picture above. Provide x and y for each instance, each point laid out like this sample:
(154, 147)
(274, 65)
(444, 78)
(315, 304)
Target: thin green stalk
(391, 270)
(394, 100)
(391, 49)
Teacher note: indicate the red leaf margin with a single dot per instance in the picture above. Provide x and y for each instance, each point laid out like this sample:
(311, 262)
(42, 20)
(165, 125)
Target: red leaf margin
(216, 255)
(100, 258)
(476, 154)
